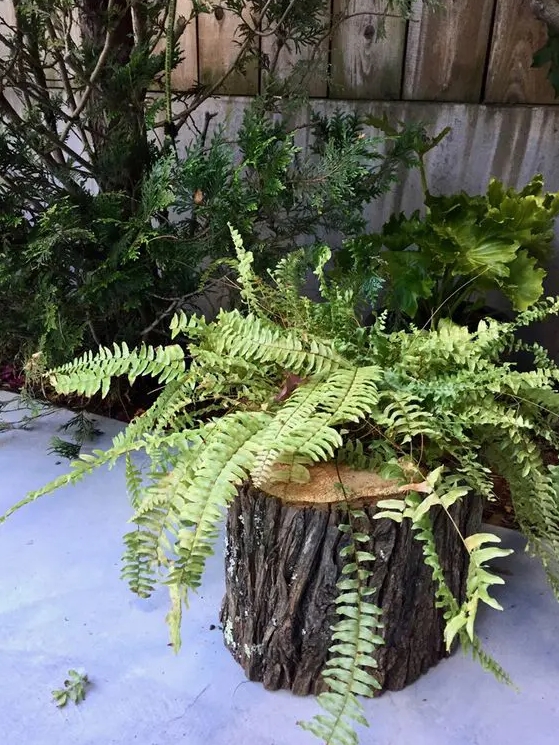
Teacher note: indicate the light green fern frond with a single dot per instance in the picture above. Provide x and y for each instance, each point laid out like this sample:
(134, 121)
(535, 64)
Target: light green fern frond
(85, 465)
(355, 639)
(305, 424)
(133, 475)
(223, 463)
(404, 417)
(535, 497)
(256, 339)
(460, 619)
(92, 373)
(245, 272)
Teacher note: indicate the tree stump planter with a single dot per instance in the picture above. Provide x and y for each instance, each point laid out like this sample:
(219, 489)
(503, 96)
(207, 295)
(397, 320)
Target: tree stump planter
(283, 562)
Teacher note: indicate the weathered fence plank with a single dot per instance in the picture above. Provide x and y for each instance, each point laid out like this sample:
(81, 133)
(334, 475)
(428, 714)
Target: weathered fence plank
(517, 35)
(446, 51)
(218, 50)
(363, 65)
(185, 74)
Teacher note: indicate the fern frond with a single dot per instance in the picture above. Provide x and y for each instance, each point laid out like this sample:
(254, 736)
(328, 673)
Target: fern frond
(222, 464)
(535, 498)
(404, 417)
(258, 340)
(460, 619)
(192, 326)
(133, 475)
(92, 373)
(137, 565)
(245, 272)
(304, 425)
(86, 464)
(356, 638)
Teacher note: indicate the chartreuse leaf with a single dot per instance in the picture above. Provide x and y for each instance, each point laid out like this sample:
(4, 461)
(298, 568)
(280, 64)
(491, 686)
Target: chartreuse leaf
(524, 285)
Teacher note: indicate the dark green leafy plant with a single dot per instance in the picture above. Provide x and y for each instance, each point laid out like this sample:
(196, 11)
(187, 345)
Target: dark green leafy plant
(112, 232)
(549, 55)
(97, 273)
(443, 264)
(437, 406)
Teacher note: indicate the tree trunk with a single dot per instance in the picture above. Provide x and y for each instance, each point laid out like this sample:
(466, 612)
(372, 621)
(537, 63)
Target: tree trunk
(282, 565)
(115, 112)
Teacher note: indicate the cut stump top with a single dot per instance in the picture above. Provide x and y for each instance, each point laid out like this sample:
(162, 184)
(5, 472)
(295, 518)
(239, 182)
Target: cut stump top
(323, 488)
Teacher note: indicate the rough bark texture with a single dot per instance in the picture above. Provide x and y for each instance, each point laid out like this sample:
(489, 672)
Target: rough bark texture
(282, 565)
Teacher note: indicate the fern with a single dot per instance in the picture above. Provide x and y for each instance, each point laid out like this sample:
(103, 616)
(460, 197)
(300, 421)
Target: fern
(256, 339)
(288, 382)
(223, 464)
(459, 618)
(355, 637)
(305, 424)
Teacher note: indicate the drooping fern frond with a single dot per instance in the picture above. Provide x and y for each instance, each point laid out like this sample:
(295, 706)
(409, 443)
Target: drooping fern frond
(535, 496)
(459, 617)
(356, 637)
(223, 464)
(85, 465)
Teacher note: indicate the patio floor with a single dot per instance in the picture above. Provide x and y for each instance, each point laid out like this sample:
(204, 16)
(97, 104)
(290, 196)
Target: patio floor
(62, 605)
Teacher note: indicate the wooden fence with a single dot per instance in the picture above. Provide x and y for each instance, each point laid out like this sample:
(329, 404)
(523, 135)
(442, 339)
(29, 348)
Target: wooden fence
(468, 51)
(471, 51)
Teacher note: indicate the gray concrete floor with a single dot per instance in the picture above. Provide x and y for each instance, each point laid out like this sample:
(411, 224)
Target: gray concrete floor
(62, 605)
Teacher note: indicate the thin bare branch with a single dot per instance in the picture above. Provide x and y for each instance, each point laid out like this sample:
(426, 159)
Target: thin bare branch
(270, 31)
(65, 77)
(94, 75)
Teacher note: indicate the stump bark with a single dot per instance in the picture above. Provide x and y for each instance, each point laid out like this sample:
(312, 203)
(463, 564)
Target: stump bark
(282, 565)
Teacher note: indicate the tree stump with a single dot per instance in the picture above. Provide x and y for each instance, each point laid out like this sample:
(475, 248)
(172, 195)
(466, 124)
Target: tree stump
(282, 565)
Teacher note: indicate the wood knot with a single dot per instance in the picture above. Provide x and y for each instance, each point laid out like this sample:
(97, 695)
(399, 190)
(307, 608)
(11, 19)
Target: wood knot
(219, 13)
(369, 32)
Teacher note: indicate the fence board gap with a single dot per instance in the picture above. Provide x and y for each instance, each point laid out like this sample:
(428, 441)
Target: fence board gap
(517, 35)
(446, 51)
(218, 48)
(364, 65)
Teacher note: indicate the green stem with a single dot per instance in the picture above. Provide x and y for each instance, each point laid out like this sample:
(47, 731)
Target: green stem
(423, 174)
